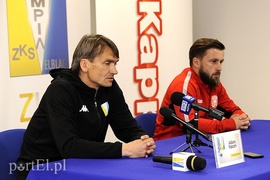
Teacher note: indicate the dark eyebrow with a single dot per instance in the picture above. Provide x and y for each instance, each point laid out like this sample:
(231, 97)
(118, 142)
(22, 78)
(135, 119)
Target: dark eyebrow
(215, 59)
(111, 60)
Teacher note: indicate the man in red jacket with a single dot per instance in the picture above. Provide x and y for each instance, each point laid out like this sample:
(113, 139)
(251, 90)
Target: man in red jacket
(202, 81)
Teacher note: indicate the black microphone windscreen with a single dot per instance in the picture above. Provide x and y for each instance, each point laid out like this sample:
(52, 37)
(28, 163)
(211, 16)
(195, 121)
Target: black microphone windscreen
(196, 163)
(166, 112)
(176, 98)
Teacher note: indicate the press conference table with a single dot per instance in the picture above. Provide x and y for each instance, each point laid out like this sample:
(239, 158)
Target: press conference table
(256, 139)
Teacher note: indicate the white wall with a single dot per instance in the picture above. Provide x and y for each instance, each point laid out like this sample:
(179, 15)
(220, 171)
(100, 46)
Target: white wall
(243, 26)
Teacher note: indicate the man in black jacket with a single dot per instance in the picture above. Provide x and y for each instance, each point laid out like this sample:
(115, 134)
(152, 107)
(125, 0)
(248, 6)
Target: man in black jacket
(72, 118)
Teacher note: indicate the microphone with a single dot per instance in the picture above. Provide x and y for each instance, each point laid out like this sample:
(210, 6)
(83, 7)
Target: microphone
(167, 113)
(194, 163)
(187, 102)
(162, 159)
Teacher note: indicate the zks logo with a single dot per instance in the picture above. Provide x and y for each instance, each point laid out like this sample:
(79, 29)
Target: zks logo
(37, 33)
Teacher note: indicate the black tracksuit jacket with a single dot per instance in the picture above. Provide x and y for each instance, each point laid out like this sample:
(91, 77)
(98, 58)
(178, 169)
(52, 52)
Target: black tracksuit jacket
(70, 122)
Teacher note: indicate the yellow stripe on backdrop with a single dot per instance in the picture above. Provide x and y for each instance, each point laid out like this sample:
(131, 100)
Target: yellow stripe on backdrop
(22, 50)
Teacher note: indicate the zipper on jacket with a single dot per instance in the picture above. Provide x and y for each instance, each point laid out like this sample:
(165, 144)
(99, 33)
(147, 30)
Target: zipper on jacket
(96, 106)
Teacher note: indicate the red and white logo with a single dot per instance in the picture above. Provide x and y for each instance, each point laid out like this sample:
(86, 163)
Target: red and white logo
(214, 101)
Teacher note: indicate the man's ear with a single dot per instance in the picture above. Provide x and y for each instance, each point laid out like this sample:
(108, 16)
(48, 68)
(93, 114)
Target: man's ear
(84, 65)
(196, 62)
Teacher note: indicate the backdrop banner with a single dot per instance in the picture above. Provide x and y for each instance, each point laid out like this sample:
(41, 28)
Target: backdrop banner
(153, 38)
(36, 36)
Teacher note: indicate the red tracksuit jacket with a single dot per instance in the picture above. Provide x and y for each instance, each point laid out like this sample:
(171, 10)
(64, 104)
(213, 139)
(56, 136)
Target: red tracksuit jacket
(189, 83)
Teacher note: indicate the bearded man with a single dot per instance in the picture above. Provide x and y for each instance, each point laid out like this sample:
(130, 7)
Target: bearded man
(202, 81)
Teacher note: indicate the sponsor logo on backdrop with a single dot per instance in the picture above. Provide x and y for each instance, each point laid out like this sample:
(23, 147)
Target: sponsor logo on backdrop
(37, 34)
(146, 72)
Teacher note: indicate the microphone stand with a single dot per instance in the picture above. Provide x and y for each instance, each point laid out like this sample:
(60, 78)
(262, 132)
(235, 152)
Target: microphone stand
(188, 142)
(198, 142)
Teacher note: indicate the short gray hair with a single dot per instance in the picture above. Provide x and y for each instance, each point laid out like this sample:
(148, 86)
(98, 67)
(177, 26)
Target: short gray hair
(89, 47)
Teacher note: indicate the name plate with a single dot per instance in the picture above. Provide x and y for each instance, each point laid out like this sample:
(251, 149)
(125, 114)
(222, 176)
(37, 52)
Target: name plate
(228, 149)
